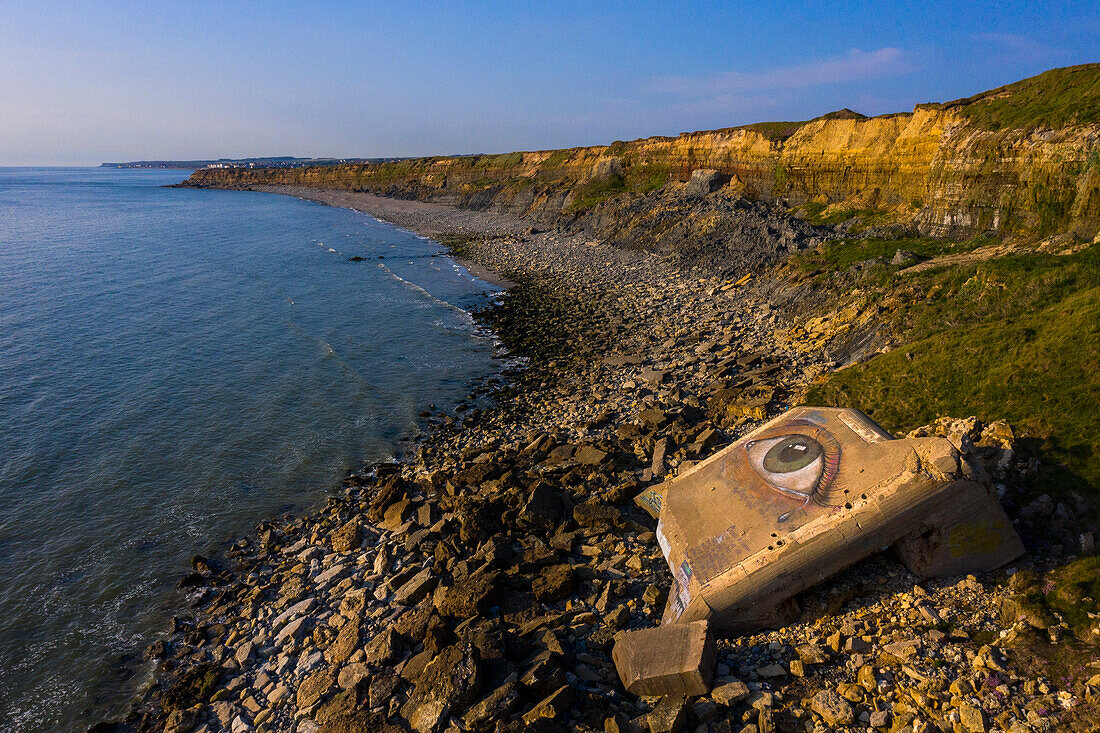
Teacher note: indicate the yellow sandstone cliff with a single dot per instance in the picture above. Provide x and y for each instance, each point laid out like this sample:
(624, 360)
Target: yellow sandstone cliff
(1018, 160)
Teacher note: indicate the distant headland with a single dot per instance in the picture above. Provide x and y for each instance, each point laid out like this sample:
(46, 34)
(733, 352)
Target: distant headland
(282, 161)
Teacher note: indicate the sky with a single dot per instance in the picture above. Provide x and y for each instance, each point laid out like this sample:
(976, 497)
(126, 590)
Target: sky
(87, 82)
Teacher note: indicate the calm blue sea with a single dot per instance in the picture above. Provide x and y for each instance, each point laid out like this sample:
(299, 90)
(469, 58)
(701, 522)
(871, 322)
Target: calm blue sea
(175, 366)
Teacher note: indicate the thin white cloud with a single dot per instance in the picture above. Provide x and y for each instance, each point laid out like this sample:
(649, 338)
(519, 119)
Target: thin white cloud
(1014, 44)
(856, 65)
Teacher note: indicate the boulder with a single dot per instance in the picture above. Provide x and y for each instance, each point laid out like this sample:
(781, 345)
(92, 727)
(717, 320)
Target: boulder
(702, 182)
(347, 641)
(554, 707)
(669, 716)
(417, 588)
(596, 516)
(352, 674)
(313, 687)
(448, 684)
(382, 648)
(589, 455)
(833, 709)
(348, 537)
(971, 718)
(468, 596)
(542, 509)
(156, 650)
(497, 705)
(553, 583)
(904, 258)
(729, 692)
(382, 689)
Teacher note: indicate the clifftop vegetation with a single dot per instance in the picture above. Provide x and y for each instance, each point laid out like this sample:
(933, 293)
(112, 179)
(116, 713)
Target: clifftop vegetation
(1055, 98)
(1009, 337)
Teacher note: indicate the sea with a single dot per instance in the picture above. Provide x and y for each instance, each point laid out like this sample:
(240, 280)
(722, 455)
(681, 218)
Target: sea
(176, 366)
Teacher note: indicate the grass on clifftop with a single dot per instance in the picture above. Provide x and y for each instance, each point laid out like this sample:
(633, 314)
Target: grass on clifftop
(781, 131)
(776, 131)
(1015, 338)
(1054, 98)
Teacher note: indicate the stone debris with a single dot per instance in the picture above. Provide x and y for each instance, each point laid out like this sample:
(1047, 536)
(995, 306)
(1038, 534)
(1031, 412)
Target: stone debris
(669, 716)
(480, 583)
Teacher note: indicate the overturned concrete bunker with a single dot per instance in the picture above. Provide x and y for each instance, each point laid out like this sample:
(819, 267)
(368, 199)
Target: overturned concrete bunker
(806, 495)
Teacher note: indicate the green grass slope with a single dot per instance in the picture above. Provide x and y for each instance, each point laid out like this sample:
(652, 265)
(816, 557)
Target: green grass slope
(1016, 338)
(1055, 98)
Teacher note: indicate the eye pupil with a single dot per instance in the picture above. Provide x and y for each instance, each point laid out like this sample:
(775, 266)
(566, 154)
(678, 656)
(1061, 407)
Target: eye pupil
(791, 454)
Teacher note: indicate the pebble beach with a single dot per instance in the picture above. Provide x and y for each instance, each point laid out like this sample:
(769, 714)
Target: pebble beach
(478, 585)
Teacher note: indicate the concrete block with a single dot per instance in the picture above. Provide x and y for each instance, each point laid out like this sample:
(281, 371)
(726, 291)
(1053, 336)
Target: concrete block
(670, 660)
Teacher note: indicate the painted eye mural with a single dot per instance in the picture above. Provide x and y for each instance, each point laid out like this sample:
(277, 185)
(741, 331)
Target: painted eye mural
(799, 459)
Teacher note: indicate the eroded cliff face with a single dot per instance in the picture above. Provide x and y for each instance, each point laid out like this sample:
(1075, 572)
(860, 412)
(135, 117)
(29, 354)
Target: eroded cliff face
(934, 168)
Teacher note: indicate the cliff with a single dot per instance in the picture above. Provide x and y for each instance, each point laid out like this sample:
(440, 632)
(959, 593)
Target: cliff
(1019, 160)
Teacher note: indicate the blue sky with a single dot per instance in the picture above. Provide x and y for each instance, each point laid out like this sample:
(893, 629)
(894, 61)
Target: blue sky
(86, 82)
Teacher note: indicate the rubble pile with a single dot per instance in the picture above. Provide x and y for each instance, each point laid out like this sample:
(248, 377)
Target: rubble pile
(485, 583)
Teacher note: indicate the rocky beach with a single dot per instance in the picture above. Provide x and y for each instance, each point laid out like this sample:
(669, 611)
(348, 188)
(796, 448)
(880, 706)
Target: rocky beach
(479, 584)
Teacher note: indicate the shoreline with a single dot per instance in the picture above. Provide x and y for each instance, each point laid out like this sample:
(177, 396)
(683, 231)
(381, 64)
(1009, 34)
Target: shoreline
(494, 260)
(392, 211)
(506, 544)
(484, 273)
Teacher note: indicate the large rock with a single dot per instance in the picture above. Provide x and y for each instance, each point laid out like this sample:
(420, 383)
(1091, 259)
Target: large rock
(702, 182)
(589, 455)
(382, 648)
(388, 493)
(448, 684)
(543, 507)
(728, 692)
(596, 516)
(347, 641)
(417, 588)
(545, 674)
(497, 705)
(669, 716)
(677, 659)
(833, 708)
(348, 537)
(381, 689)
(313, 687)
(553, 583)
(554, 707)
(396, 514)
(971, 718)
(469, 595)
(352, 674)
(191, 686)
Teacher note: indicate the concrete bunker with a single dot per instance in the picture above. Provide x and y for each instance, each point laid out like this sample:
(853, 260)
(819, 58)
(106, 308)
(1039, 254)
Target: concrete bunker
(803, 497)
